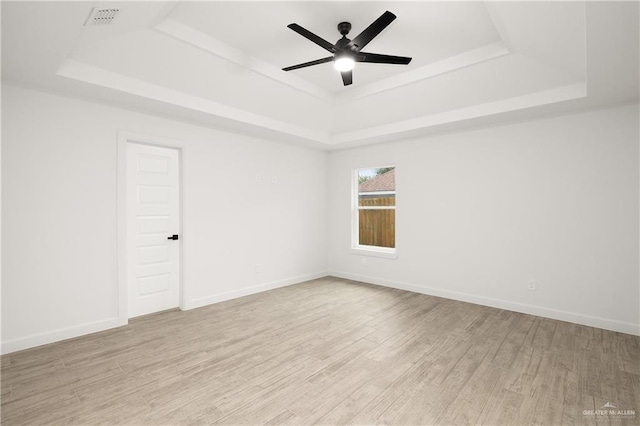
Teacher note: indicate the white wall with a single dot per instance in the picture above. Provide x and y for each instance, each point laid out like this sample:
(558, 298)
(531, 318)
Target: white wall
(482, 212)
(59, 257)
(479, 214)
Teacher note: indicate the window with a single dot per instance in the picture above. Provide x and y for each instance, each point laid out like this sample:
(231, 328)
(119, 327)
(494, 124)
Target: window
(374, 211)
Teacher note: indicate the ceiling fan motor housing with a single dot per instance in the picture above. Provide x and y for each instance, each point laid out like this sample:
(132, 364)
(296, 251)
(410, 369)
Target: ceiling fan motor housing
(344, 28)
(344, 44)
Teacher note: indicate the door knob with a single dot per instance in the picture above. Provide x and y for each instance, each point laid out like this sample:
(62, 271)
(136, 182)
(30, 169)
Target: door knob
(173, 237)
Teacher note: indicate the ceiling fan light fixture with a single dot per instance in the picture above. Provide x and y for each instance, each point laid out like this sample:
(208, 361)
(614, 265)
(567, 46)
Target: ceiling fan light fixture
(345, 52)
(344, 63)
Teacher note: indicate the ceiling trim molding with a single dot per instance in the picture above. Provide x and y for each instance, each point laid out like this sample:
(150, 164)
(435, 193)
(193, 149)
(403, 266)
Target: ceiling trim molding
(498, 24)
(94, 75)
(187, 34)
(465, 59)
(545, 97)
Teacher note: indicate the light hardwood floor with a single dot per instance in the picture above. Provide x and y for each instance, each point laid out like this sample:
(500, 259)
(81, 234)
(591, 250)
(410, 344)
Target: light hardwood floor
(328, 351)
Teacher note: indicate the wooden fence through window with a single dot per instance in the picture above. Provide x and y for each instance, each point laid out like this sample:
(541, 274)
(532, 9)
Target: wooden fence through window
(377, 227)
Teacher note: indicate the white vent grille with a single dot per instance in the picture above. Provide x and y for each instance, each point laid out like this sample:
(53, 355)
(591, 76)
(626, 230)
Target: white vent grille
(101, 16)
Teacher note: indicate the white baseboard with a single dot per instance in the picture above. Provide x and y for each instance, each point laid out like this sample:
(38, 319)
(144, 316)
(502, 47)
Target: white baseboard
(92, 327)
(228, 295)
(57, 335)
(604, 323)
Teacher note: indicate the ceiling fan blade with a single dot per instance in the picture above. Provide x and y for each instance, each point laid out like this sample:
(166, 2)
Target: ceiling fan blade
(308, 64)
(347, 77)
(373, 30)
(314, 38)
(377, 58)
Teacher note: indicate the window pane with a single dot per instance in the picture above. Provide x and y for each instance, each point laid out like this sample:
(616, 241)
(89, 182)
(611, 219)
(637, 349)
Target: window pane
(377, 228)
(377, 186)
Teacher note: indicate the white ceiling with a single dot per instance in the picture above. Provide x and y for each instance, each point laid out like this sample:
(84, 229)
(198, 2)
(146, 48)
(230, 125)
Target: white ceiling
(219, 63)
(263, 33)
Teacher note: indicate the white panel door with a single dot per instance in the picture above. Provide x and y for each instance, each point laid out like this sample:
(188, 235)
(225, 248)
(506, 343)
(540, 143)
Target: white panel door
(153, 218)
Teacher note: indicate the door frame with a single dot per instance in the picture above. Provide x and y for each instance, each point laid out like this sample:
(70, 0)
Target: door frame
(125, 137)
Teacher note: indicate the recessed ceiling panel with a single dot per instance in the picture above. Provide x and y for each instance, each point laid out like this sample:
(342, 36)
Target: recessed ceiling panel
(422, 31)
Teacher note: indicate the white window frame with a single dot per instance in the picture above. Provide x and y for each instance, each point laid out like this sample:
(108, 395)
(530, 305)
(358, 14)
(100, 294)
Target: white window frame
(356, 248)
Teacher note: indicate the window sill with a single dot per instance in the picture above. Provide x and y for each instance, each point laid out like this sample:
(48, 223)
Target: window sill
(375, 252)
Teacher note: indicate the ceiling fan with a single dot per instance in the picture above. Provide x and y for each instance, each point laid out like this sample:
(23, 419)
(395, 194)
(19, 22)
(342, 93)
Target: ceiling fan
(347, 52)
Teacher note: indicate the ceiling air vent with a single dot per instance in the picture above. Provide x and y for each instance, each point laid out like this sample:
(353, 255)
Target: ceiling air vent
(101, 16)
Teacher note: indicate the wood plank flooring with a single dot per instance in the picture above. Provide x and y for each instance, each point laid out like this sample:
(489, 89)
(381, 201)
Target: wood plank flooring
(328, 351)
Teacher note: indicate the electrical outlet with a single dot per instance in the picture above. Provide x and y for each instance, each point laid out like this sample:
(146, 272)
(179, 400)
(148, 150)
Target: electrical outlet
(258, 269)
(364, 260)
(532, 286)
(274, 179)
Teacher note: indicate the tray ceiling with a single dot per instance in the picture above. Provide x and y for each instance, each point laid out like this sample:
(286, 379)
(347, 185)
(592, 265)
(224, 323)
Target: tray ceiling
(220, 62)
